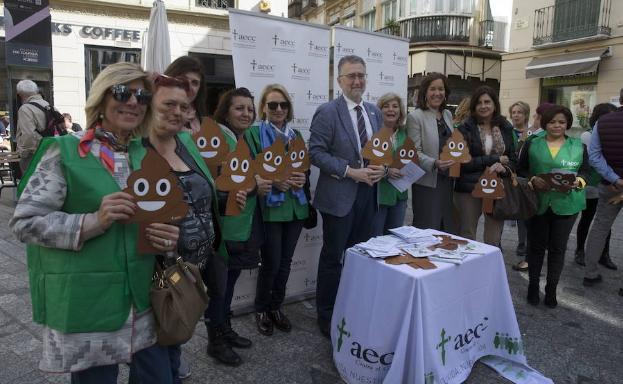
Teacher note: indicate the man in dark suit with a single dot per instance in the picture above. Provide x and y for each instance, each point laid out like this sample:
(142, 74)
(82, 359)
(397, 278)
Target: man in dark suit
(345, 193)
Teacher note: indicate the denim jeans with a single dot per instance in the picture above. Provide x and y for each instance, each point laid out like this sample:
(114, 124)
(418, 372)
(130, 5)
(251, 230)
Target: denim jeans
(220, 305)
(388, 217)
(150, 365)
(277, 252)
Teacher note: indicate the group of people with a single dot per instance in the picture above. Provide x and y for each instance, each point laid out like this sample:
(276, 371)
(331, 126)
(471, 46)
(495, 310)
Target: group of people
(90, 286)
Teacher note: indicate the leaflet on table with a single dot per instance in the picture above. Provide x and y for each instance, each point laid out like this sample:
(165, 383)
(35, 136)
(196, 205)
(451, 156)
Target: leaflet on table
(411, 173)
(414, 235)
(382, 246)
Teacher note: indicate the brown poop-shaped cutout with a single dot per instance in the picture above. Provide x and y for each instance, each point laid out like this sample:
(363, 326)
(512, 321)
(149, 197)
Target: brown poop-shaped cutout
(405, 154)
(448, 243)
(156, 193)
(488, 188)
(525, 134)
(211, 144)
(297, 157)
(271, 163)
(560, 182)
(237, 174)
(456, 149)
(378, 150)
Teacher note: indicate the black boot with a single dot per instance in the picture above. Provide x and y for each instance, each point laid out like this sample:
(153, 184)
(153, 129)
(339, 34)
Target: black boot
(607, 262)
(579, 257)
(550, 296)
(219, 349)
(533, 294)
(232, 337)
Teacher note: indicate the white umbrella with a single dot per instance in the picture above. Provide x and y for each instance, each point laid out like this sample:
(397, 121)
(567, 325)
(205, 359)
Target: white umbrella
(157, 53)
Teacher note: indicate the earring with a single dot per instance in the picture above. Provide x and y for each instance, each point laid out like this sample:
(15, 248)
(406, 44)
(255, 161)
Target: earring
(101, 116)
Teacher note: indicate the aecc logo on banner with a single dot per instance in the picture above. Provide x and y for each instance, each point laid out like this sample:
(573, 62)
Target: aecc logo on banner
(262, 69)
(242, 40)
(300, 73)
(283, 45)
(317, 50)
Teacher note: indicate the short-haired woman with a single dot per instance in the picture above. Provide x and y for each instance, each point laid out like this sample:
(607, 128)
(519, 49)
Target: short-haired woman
(392, 203)
(284, 209)
(190, 68)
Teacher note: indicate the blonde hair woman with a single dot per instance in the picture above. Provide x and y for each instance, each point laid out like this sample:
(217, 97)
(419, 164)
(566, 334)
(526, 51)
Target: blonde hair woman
(71, 212)
(392, 203)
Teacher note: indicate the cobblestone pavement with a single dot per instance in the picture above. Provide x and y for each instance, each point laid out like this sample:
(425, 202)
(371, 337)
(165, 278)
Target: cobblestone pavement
(578, 342)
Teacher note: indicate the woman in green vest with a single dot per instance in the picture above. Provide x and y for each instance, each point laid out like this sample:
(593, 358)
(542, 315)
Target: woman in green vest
(243, 233)
(392, 203)
(89, 286)
(284, 209)
(200, 235)
(549, 229)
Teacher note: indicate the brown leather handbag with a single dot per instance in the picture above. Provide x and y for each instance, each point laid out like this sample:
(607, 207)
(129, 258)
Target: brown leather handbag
(178, 299)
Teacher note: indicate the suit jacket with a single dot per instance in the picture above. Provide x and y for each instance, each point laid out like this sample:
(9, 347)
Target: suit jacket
(333, 146)
(422, 129)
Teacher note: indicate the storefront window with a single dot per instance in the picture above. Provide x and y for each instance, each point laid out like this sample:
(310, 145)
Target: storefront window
(578, 93)
(97, 58)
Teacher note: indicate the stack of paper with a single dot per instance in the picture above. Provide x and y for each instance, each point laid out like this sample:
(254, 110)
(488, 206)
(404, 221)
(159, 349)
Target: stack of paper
(454, 257)
(414, 235)
(382, 246)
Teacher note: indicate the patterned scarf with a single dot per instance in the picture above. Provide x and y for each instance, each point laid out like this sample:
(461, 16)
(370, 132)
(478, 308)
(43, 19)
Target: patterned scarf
(498, 147)
(268, 134)
(109, 144)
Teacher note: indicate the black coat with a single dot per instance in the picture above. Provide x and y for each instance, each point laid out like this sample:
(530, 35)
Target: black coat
(470, 172)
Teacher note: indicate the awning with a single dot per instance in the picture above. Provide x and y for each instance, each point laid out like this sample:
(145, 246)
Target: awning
(567, 64)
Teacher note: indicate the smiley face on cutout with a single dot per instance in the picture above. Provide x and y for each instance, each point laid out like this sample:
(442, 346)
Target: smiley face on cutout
(238, 170)
(525, 134)
(489, 186)
(297, 157)
(378, 150)
(271, 163)
(456, 149)
(405, 154)
(561, 182)
(211, 143)
(156, 193)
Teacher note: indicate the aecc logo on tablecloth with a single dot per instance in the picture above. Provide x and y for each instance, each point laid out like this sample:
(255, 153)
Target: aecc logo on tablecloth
(366, 357)
(462, 341)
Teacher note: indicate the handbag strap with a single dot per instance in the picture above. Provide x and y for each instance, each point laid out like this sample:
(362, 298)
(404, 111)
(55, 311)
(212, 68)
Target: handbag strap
(513, 175)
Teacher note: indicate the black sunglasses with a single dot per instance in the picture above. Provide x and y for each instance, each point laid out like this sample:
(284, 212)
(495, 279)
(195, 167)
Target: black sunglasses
(122, 94)
(272, 105)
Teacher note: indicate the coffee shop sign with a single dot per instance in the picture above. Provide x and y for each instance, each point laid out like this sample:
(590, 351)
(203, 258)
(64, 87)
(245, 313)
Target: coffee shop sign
(95, 32)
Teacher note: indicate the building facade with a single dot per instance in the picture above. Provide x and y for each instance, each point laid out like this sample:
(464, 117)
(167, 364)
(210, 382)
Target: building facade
(460, 38)
(88, 35)
(567, 52)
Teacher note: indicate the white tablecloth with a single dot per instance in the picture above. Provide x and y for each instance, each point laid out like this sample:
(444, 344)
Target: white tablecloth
(396, 324)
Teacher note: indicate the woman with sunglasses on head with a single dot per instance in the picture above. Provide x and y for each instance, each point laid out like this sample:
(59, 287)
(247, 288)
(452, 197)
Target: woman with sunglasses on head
(392, 203)
(200, 237)
(557, 210)
(190, 68)
(89, 286)
(243, 233)
(284, 209)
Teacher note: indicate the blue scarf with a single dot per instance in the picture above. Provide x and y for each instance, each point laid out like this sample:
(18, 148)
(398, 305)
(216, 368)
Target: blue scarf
(268, 134)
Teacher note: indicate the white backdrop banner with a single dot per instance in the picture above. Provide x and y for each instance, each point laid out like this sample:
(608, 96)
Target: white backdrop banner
(266, 50)
(385, 57)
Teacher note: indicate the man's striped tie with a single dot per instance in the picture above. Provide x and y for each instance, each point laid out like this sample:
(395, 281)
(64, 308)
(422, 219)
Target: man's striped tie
(361, 126)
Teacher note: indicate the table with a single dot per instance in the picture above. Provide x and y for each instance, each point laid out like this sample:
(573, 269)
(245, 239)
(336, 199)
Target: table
(396, 324)
(7, 177)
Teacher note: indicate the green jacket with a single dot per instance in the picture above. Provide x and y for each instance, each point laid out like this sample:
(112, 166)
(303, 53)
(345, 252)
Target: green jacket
(90, 290)
(388, 194)
(291, 209)
(238, 228)
(571, 158)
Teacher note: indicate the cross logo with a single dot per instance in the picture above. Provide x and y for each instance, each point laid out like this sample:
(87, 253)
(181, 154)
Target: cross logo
(294, 68)
(275, 39)
(442, 345)
(235, 34)
(309, 94)
(341, 328)
(394, 56)
(311, 45)
(369, 50)
(381, 75)
(253, 64)
(339, 46)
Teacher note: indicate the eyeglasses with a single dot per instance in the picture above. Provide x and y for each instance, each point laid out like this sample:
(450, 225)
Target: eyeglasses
(355, 76)
(168, 81)
(272, 105)
(122, 93)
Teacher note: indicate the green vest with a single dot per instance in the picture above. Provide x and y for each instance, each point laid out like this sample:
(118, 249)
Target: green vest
(290, 209)
(569, 158)
(388, 194)
(238, 228)
(90, 290)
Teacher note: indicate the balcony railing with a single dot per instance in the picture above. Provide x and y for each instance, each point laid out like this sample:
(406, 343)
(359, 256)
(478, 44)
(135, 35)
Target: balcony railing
(487, 34)
(571, 19)
(433, 28)
(215, 4)
(295, 9)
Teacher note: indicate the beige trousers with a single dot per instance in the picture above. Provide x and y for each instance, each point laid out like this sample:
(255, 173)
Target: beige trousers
(469, 211)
